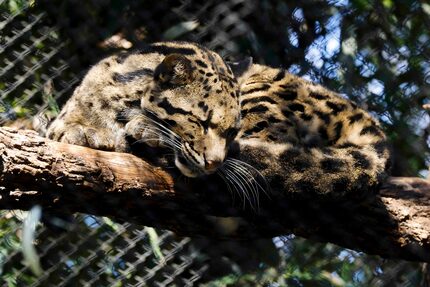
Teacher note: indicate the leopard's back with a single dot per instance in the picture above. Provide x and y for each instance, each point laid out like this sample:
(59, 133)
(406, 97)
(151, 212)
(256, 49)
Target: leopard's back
(110, 87)
(307, 138)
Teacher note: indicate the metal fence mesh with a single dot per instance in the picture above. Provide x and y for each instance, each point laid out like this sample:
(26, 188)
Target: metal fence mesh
(98, 252)
(45, 49)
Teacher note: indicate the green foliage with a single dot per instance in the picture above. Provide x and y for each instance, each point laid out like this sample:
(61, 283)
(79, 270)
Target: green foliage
(307, 263)
(16, 6)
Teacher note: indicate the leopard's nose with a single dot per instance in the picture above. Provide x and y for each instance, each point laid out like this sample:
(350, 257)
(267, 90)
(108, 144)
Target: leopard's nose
(212, 165)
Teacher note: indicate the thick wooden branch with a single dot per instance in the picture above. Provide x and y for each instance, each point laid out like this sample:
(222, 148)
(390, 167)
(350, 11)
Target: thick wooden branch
(67, 178)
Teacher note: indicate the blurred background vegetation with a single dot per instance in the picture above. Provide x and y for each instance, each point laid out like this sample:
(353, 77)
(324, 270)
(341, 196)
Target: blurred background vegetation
(376, 53)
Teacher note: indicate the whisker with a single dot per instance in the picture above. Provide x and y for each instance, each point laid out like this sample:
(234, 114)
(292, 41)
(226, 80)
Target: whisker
(154, 114)
(227, 183)
(247, 179)
(159, 124)
(247, 174)
(243, 190)
(168, 144)
(164, 132)
(165, 136)
(266, 188)
(233, 182)
(160, 127)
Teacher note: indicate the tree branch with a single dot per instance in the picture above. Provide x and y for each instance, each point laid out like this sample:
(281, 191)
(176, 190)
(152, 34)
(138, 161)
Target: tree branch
(67, 178)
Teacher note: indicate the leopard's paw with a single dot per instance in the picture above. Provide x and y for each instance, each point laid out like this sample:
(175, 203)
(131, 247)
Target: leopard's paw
(81, 135)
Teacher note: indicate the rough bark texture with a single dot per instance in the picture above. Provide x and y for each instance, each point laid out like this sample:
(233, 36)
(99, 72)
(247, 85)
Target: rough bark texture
(67, 178)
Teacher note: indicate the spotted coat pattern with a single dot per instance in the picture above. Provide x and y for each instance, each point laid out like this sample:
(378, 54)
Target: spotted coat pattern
(300, 136)
(307, 138)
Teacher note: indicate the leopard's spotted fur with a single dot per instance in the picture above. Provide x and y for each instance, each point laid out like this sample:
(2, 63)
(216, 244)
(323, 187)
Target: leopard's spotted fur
(307, 138)
(300, 136)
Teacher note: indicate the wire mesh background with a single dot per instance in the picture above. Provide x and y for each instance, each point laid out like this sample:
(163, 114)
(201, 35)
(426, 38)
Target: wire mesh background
(46, 47)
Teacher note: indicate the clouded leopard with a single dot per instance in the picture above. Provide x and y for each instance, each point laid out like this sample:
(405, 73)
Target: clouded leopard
(298, 135)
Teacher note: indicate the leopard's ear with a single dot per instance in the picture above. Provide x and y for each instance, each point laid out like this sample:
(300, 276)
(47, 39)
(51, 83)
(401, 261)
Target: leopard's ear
(239, 68)
(175, 69)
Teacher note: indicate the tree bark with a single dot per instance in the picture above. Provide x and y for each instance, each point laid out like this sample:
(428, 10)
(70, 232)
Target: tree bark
(67, 178)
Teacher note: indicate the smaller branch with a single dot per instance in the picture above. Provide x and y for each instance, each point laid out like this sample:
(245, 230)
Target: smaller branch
(67, 178)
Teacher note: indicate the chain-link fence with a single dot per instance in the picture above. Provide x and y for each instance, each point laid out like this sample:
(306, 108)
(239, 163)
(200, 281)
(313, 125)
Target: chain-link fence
(46, 47)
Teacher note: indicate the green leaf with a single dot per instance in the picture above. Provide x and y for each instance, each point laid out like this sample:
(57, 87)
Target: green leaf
(155, 243)
(387, 3)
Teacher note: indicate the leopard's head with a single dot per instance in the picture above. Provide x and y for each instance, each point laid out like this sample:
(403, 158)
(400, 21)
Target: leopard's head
(195, 106)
